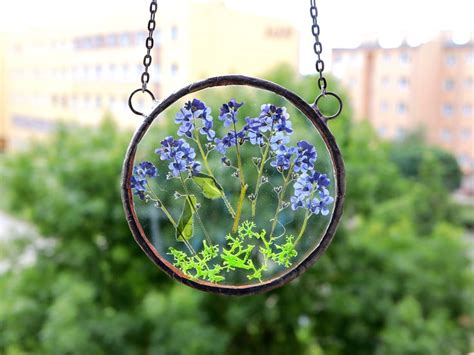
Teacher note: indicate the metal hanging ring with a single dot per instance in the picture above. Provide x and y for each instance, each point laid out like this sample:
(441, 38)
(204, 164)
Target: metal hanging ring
(130, 104)
(339, 101)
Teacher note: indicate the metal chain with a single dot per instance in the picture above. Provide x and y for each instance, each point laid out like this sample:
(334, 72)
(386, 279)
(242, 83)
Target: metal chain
(322, 83)
(149, 45)
(318, 47)
(147, 59)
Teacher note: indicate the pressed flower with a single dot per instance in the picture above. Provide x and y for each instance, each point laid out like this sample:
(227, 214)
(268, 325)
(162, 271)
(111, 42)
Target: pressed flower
(187, 116)
(278, 140)
(229, 140)
(229, 112)
(283, 157)
(306, 157)
(180, 154)
(138, 181)
(310, 192)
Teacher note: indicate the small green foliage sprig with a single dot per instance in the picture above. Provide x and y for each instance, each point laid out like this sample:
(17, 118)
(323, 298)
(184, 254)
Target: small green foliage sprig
(236, 255)
(198, 266)
(286, 252)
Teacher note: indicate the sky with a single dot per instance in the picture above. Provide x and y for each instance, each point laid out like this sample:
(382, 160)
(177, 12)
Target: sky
(343, 22)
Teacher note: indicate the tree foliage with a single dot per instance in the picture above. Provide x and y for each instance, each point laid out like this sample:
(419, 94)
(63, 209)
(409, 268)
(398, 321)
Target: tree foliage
(396, 279)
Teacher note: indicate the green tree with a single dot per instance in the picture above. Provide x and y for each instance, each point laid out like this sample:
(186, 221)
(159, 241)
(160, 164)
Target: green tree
(395, 280)
(409, 153)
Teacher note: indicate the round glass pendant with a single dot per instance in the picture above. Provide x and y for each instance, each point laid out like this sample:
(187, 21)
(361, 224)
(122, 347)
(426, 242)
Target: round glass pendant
(233, 185)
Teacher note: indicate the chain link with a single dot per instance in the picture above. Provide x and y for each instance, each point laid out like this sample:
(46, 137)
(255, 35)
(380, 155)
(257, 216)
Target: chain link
(318, 47)
(149, 43)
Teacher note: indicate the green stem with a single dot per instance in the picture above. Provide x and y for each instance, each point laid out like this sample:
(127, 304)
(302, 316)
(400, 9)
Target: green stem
(303, 227)
(259, 179)
(307, 216)
(281, 197)
(208, 168)
(243, 185)
(243, 191)
(169, 216)
(196, 213)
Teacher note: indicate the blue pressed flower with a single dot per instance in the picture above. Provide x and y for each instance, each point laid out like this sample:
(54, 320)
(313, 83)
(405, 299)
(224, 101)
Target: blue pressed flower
(310, 192)
(185, 119)
(195, 106)
(317, 206)
(283, 158)
(180, 154)
(321, 180)
(229, 112)
(278, 140)
(284, 125)
(252, 131)
(146, 169)
(141, 172)
(229, 140)
(275, 118)
(187, 116)
(303, 186)
(208, 131)
(296, 202)
(306, 157)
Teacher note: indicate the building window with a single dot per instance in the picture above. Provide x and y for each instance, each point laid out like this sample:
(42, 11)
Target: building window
(468, 83)
(404, 58)
(156, 72)
(157, 37)
(450, 60)
(446, 135)
(382, 131)
(401, 133)
(384, 106)
(448, 110)
(111, 40)
(124, 39)
(174, 33)
(449, 84)
(466, 134)
(338, 58)
(385, 81)
(174, 69)
(402, 108)
(463, 160)
(140, 38)
(126, 72)
(470, 58)
(386, 57)
(74, 101)
(98, 71)
(98, 102)
(467, 110)
(403, 83)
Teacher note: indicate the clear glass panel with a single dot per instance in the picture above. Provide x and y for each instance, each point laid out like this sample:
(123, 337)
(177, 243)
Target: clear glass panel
(241, 193)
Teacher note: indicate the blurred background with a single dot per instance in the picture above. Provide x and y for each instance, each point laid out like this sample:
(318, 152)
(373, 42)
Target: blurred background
(398, 278)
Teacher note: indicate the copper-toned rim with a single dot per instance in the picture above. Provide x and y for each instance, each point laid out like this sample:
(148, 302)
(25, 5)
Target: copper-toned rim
(336, 158)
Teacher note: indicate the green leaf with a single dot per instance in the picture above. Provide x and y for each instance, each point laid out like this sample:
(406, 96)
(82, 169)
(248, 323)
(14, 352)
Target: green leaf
(185, 228)
(209, 186)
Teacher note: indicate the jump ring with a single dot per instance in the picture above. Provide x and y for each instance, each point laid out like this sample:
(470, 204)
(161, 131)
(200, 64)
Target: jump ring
(130, 104)
(339, 101)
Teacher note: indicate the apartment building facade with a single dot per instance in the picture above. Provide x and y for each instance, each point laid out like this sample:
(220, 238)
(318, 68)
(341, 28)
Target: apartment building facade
(79, 75)
(429, 87)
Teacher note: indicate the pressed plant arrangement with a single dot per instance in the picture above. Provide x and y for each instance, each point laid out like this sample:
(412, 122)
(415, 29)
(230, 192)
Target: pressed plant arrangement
(240, 196)
(300, 187)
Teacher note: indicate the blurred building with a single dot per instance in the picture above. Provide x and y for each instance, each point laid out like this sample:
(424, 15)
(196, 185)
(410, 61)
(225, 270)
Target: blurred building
(77, 75)
(429, 87)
